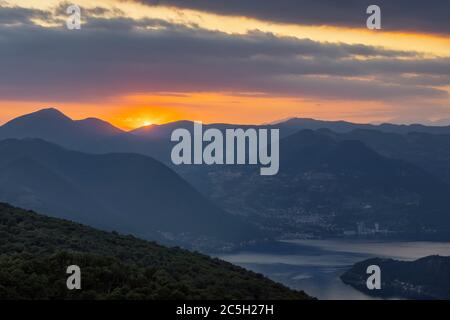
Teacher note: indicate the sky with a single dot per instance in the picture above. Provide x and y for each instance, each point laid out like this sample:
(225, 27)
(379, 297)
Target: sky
(140, 62)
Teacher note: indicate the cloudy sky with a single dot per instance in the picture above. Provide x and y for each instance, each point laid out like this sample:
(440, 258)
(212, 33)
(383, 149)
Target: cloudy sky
(248, 61)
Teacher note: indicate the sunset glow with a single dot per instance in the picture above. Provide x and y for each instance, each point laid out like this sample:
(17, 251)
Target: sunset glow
(320, 79)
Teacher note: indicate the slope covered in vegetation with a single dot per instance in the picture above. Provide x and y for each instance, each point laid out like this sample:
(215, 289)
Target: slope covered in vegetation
(36, 250)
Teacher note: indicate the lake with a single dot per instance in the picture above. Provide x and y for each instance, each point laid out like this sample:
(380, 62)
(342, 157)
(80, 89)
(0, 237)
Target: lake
(315, 265)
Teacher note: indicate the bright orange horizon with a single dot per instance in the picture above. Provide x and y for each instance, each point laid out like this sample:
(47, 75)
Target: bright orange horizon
(138, 111)
(133, 118)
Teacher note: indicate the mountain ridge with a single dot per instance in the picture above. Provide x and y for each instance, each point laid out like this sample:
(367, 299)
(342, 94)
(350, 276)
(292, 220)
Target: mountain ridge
(97, 136)
(52, 125)
(131, 193)
(326, 186)
(299, 123)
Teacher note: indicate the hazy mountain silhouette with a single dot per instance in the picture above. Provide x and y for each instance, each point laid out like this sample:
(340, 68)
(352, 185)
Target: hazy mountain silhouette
(96, 136)
(296, 124)
(53, 126)
(292, 125)
(46, 123)
(429, 151)
(328, 184)
(322, 175)
(162, 131)
(125, 192)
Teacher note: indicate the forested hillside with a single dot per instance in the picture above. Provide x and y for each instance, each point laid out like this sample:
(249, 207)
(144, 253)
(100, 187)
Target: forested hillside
(35, 251)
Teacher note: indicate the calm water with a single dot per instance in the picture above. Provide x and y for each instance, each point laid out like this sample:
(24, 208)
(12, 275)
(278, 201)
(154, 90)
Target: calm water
(315, 265)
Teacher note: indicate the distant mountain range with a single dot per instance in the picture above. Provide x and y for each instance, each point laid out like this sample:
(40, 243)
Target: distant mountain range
(326, 186)
(426, 150)
(333, 176)
(129, 193)
(344, 126)
(36, 251)
(53, 126)
(95, 135)
(425, 278)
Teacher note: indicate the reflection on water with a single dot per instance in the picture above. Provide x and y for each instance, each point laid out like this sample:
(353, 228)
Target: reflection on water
(315, 265)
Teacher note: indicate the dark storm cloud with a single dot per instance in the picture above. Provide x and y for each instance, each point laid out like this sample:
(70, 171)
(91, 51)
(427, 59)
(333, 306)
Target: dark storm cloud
(117, 56)
(18, 15)
(419, 15)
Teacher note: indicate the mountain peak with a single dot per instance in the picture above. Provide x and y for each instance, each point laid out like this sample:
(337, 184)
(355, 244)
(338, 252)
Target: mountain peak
(52, 125)
(99, 126)
(49, 110)
(47, 114)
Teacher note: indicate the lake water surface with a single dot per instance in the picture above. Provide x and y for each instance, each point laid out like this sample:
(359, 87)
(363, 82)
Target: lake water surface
(315, 265)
